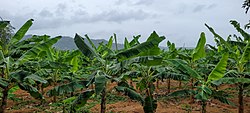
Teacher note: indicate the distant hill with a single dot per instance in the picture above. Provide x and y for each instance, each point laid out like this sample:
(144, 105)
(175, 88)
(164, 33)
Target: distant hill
(67, 43)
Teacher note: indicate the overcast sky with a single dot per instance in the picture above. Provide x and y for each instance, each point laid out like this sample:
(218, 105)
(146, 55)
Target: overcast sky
(180, 21)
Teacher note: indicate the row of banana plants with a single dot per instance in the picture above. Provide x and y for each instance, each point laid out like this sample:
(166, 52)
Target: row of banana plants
(33, 64)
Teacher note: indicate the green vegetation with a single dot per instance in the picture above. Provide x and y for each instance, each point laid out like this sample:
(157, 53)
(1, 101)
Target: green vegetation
(77, 80)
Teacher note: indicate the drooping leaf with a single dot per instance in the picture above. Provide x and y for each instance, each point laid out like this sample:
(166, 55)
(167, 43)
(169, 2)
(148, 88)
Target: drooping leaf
(179, 64)
(132, 94)
(100, 82)
(36, 50)
(36, 78)
(31, 90)
(220, 69)
(19, 75)
(3, 83)
(199, 51)
(222, 97)
(65, 88)
(231, 80)
(241, 31)
(145, 60)
(81, 100)
(21, 32)
(222, 41)
(150, 105)
(152, 42)
(83, 47)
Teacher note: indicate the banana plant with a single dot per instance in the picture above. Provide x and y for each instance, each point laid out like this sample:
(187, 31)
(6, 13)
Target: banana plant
(204, 91)
(100, 55)
(240, 56)
(145, 63)
(11, 64)
(193, 57)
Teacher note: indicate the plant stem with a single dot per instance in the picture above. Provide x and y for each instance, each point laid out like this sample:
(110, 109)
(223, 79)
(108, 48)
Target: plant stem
(4, 100)
(103, 101)
(240, 96)
(204, 105)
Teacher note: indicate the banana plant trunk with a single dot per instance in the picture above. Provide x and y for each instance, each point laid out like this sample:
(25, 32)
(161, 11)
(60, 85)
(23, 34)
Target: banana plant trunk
(192, 87)
(203, 107)
(103, 100)
(4, 100)
(240, 96)
(169, 84)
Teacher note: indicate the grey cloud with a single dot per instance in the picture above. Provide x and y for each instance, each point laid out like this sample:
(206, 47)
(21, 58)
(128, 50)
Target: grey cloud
(144, 2)
(16, 19)
(45, 13)
(134, 2)
(211, 6)
(61, 8)
(110, 16)
(119, 17)
(201, 7)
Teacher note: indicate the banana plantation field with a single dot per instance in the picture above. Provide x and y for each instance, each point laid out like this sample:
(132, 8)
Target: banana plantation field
(141, 77)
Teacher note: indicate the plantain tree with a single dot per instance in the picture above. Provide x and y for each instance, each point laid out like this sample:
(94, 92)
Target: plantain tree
(145, 64)
(106, 60)
(12, 62)
(239, 50)
(203, 89)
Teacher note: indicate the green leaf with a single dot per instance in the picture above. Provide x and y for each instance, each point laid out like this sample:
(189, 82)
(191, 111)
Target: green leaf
(21, 32)
(134, 51)
(110, 42)
(222, 97)
(65, 89)
(69, 100)
(126, 44)
(135, 41)
(3, 24)
(100, 82)
(246, 54)
(83, 47)
(241, 31)
(231, 80)
(147, 60)
(132, 94)
(74, 63)
(222, 41)
(3, 83)
(38, 49)
(1, 57)
(36, 78)
(220, 69)
(199, 51)
(91, 43)
(179, 64)
(82, 99)
(150, 105)
(33, 91)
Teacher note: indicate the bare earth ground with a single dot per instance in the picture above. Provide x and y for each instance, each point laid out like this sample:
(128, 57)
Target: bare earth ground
(27, 104)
